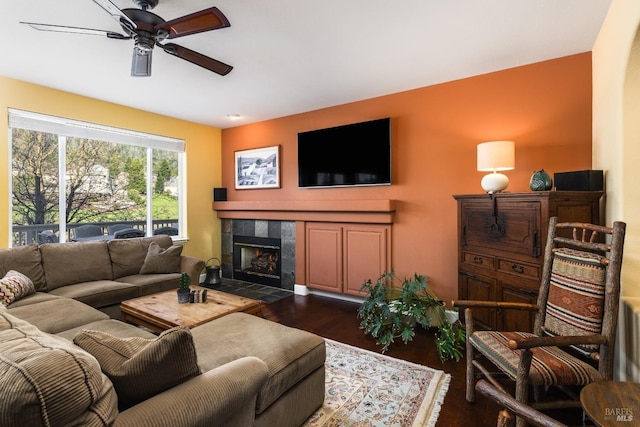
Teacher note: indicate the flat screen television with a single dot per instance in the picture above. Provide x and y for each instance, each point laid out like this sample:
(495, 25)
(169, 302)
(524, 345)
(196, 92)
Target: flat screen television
(349, 155)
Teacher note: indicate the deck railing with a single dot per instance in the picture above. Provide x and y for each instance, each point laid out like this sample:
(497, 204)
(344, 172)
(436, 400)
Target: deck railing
(27, 234)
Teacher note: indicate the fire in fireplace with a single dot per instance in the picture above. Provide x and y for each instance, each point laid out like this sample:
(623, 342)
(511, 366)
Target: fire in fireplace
(257, 260)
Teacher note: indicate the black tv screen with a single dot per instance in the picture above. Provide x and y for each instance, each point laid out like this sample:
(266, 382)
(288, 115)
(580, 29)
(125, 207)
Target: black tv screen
(355, 154)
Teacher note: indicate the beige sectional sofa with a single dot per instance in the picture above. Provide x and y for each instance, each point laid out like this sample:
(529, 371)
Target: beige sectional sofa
(65, 362)
(98, 273)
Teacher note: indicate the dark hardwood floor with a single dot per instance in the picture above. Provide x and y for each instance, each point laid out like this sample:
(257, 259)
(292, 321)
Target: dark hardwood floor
(337, 320)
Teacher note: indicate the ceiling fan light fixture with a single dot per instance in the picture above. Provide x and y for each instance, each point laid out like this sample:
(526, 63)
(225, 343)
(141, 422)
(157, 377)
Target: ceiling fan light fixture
(141, 63)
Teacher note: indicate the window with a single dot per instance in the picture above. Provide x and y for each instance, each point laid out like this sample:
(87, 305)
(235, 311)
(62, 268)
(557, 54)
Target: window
(66, 174)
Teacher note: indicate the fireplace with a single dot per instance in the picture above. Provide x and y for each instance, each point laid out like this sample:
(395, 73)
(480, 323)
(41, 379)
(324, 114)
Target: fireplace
(268, 233)
(257, 260)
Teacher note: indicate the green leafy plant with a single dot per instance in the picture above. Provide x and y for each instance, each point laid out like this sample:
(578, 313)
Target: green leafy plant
(393, 308)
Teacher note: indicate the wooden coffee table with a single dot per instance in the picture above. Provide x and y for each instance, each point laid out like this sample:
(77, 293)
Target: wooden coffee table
(161, 311)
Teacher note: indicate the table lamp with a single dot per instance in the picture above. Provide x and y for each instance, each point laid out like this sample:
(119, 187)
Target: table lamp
(493, 157)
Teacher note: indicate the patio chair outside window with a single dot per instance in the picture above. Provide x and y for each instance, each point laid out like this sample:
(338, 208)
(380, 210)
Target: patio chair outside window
(128, 233)
(88, 230)
(47, 236)
(170, 231)
(116, 227)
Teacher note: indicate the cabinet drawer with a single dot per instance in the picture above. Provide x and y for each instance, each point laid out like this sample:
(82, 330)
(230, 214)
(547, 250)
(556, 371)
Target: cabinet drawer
(530, 271)
(478, 260)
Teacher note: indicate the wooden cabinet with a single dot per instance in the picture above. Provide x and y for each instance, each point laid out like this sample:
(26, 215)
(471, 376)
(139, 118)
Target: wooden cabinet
(501, 240)
(341, 256)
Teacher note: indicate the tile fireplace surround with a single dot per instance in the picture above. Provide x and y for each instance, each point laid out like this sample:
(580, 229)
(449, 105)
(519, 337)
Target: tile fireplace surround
(283, 230)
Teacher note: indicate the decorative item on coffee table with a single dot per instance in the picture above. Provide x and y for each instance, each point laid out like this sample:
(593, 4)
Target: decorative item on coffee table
(197, 295)
(392, 308)
(183, 290)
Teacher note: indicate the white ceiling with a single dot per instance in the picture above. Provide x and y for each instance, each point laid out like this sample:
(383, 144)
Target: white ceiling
(292, 56)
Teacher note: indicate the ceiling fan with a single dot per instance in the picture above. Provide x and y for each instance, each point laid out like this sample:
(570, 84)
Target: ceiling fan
(149, 30)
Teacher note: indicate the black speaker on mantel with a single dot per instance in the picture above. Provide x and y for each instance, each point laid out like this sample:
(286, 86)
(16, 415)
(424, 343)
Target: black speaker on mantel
(219, 194)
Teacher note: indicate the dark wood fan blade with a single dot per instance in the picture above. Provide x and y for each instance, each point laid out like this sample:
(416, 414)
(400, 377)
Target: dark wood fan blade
(116, 13)
(205, 20)
(197, 58)
(76, 30)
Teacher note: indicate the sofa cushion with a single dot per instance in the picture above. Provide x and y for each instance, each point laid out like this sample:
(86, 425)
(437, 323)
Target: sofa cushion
(14, 286)
(113, 327)
(152, 283)
(46, 380)
(26, 260)
(127, 255)
(98, 293)
(141, 368)
(75, 262)
(57, 314)
(291, 354)
(34, 299)
(160, 260)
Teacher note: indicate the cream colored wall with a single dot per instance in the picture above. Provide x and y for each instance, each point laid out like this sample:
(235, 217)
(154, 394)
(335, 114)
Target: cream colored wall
(203, 147)
(616, 149)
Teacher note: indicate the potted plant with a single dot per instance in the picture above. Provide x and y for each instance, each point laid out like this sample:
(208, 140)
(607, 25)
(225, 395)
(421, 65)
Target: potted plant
(393, 308)
(183, 288)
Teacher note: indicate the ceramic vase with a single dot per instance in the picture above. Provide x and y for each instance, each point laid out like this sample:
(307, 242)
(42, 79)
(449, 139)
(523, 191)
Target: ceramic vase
(540, 181)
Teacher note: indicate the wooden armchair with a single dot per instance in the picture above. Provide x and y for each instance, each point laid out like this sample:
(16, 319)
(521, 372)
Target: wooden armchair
(573, 340)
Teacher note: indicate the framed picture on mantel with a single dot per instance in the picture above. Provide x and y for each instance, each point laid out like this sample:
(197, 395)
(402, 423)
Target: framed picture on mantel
(258, 168)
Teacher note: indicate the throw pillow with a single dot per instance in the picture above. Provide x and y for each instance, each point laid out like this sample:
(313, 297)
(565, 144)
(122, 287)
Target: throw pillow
(140, 368)
(15, 285)
(160, 260)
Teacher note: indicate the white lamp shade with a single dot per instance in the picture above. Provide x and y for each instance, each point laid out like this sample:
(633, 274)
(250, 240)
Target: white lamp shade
(496, 156)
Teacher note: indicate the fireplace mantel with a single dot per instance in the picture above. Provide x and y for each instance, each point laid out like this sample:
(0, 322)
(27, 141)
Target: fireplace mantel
(359, 211)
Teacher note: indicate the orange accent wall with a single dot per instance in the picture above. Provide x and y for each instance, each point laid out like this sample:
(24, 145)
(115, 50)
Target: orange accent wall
(545, 108)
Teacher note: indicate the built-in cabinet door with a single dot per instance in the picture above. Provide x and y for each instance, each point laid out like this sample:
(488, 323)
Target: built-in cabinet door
(341, 256)
(324, 256)
(365, 255)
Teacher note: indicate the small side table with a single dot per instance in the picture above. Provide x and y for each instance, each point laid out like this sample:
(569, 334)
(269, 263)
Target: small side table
(610, 403)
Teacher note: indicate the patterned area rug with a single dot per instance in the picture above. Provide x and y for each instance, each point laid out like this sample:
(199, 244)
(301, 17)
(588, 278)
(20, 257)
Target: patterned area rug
(370, 389)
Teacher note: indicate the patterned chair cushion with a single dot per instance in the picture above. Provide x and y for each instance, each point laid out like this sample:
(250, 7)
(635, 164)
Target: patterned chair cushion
(549, 366)
(139, 367)
(576, 296)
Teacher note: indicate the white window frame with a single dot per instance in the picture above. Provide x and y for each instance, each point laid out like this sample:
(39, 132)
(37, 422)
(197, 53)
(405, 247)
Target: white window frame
(64, 127)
